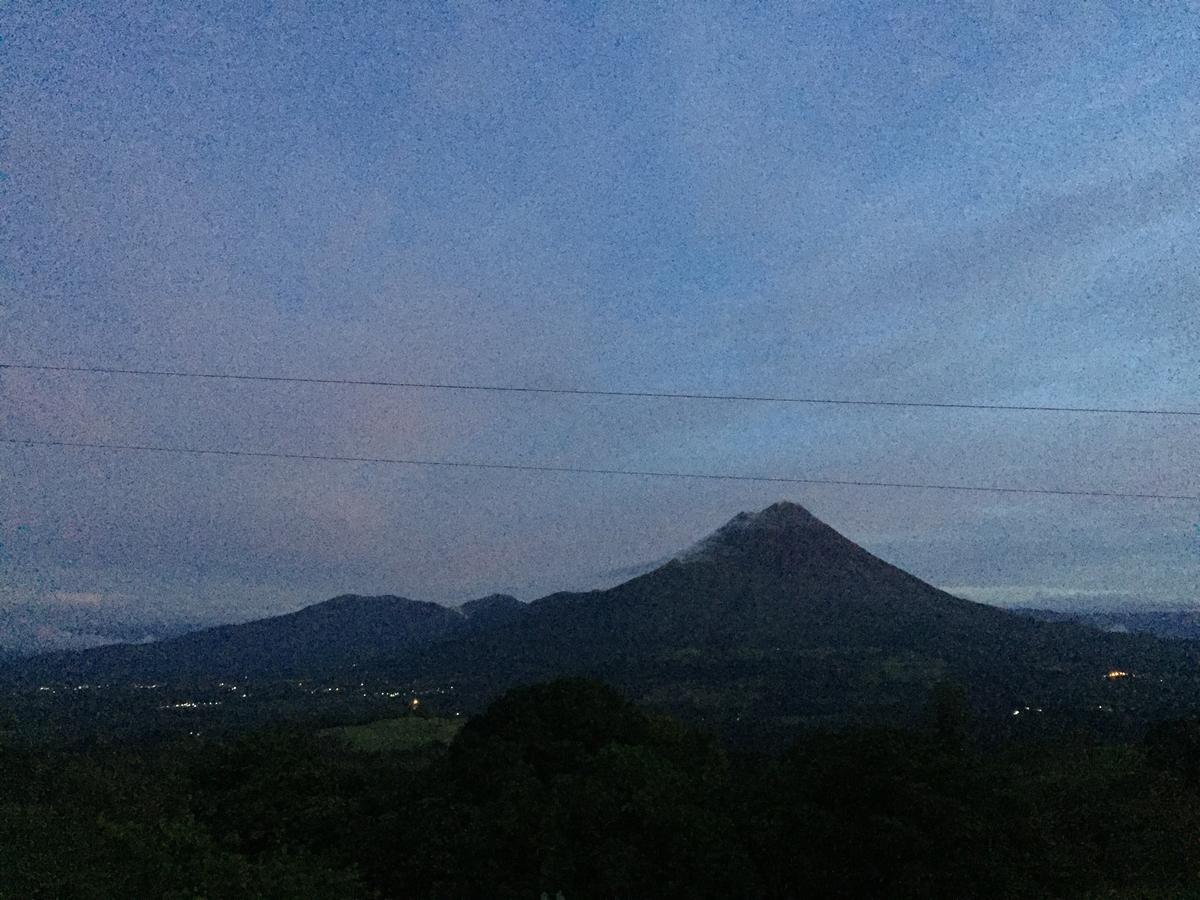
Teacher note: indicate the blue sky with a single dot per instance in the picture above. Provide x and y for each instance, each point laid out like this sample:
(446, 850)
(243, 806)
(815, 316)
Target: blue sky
(998, 203)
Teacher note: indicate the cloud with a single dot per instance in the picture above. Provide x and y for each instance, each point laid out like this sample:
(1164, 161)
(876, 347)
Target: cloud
(1043, 596)
(47, 637)
(994, 204)
(69, 598)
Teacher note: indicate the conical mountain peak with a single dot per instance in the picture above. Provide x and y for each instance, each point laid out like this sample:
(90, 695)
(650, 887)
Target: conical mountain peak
(780, 523)
(783, 514)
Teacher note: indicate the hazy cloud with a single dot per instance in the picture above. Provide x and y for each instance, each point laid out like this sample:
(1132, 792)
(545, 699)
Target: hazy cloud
(998, 203)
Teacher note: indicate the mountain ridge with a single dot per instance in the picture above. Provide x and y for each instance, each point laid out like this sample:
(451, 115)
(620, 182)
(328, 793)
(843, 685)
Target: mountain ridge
(774, 615)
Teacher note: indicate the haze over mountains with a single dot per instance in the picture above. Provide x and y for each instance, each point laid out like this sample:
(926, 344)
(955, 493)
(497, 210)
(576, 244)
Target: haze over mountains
(1174, 624)
(774, 616)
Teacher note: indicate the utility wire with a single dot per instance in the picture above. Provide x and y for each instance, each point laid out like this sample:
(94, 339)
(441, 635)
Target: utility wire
(580, 470)
(584, 392)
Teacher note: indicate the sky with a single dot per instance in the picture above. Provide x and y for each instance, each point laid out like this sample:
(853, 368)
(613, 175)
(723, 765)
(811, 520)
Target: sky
(989, 202)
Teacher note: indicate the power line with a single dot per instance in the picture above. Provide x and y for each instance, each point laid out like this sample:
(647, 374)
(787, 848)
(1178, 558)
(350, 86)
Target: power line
(586, 392)
(580, 470)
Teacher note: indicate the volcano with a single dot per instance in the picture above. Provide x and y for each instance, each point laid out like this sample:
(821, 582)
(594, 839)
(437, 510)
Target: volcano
(775, 616)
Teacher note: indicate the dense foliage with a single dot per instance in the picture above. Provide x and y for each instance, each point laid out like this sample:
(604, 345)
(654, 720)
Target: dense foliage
(567, 788)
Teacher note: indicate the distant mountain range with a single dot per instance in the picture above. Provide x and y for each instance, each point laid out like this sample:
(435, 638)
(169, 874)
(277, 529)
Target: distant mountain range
(338, 634)
(1173, 624)
(27, 629)
(773, 617)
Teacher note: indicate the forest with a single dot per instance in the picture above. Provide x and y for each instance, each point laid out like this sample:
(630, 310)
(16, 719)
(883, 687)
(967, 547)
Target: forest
(566, 789)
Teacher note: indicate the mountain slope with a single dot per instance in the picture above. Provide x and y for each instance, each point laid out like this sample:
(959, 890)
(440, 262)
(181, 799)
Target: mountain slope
(778, 615)
(773, 617)
(328, 636)
(492, 610)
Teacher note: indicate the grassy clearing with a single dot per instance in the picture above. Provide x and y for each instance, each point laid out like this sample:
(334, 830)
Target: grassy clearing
(404, 733)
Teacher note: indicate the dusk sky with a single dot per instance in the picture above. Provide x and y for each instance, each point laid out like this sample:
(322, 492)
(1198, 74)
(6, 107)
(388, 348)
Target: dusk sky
(999, 204)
